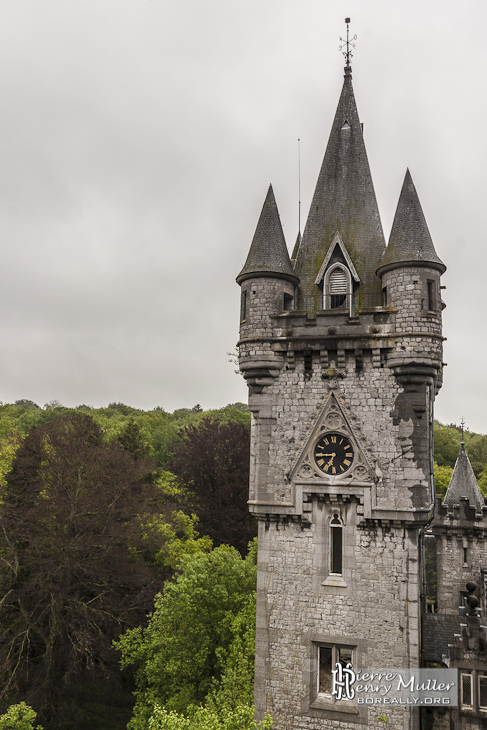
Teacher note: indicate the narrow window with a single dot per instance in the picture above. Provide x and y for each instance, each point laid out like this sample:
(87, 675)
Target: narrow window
(243, 306)
(324, 680)
(431, 295)
(466, 689)
(384, 297)
(338, 289)
(465, 555)
(336, 544)
(483, 690)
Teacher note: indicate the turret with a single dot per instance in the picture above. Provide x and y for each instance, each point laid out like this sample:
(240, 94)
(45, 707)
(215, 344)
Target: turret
(268, 286)
(410, 268)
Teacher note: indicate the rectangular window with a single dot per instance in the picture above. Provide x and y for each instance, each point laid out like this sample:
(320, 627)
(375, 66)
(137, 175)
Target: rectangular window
(384, 297)
(483, 690)
(336, 549)
(466, 689)
(243, 306)
(328, 658)
(431, 295)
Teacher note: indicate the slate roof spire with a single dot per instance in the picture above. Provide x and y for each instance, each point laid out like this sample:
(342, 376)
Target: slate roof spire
(344, 201)
(410, 241)
(463, 483)
(268, 253)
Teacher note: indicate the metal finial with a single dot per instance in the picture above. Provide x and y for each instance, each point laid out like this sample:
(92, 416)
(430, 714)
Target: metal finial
(349, 44)
(462, 424)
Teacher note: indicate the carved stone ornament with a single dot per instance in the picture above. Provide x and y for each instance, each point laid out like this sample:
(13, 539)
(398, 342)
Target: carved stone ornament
(335, 452)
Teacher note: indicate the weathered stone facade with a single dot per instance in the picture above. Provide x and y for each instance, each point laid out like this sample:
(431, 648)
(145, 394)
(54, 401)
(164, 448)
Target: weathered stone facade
(341, 391)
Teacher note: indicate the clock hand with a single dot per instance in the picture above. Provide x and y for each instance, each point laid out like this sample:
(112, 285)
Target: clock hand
(330, 463)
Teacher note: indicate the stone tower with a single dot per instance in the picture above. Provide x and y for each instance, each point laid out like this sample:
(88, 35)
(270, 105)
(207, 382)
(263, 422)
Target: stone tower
(455, 628)
(342, 353)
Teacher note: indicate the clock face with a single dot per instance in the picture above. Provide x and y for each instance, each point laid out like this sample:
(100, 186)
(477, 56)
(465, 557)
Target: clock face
(333, 454)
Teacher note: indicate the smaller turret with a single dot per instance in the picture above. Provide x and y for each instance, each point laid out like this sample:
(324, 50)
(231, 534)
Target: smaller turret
(463, 484)
(410, 271)
(268, 286)
(410, 268)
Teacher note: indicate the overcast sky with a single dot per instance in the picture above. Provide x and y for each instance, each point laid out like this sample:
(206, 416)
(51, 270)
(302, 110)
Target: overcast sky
(137, 142)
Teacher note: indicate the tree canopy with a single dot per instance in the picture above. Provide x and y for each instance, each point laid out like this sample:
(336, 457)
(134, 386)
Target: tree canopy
(211, 459)
(71, 576)
(199, 643)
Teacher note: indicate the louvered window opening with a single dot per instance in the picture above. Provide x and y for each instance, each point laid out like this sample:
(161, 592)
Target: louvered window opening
(338, 289)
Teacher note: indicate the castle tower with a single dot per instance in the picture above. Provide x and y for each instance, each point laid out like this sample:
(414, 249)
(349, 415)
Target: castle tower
(343, 357)
(454, 634)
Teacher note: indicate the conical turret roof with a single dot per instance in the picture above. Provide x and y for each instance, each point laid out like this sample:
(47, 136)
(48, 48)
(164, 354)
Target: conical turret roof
(463, 483)
(268, 252)
(344, 201)
(410, 241)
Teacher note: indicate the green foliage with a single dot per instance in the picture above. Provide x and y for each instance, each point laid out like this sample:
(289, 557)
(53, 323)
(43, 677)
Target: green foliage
(205, 718)
(71, 560)
(482, 482)
(173, 540)
(198, 646)
(447, 444)
(19, 717)
(133, 440)
(442, 478)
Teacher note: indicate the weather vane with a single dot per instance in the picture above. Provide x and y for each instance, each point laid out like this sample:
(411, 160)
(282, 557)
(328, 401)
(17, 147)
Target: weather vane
(462, 424)
(349, 44)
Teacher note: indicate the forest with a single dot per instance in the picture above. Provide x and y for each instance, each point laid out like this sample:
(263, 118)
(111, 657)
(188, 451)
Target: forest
(128, 565)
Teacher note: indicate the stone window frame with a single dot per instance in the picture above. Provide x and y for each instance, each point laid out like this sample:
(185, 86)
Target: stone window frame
(325, 706)
(335, 523)
(464, 676)
(474, 676)
(243, 305)
(330, 578)
(347, 306)
(322, 280)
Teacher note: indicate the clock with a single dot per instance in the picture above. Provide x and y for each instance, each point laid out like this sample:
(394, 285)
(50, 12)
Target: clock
(333, 454)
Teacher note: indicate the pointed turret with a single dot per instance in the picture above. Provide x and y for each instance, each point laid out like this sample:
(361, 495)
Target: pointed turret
(268, 253)
(463, 483)
(344, 201)
(410, 241)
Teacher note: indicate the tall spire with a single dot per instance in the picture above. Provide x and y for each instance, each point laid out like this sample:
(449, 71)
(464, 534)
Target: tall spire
(463, 483)
(344, 201)
(410, 240)
(268, 253)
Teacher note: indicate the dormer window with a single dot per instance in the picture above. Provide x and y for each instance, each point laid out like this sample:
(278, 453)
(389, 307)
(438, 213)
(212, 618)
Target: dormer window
(338, 279)
(337, 288)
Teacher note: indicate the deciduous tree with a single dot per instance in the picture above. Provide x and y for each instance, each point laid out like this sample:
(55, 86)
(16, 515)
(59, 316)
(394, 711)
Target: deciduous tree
(71, 572)
(212, 462)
